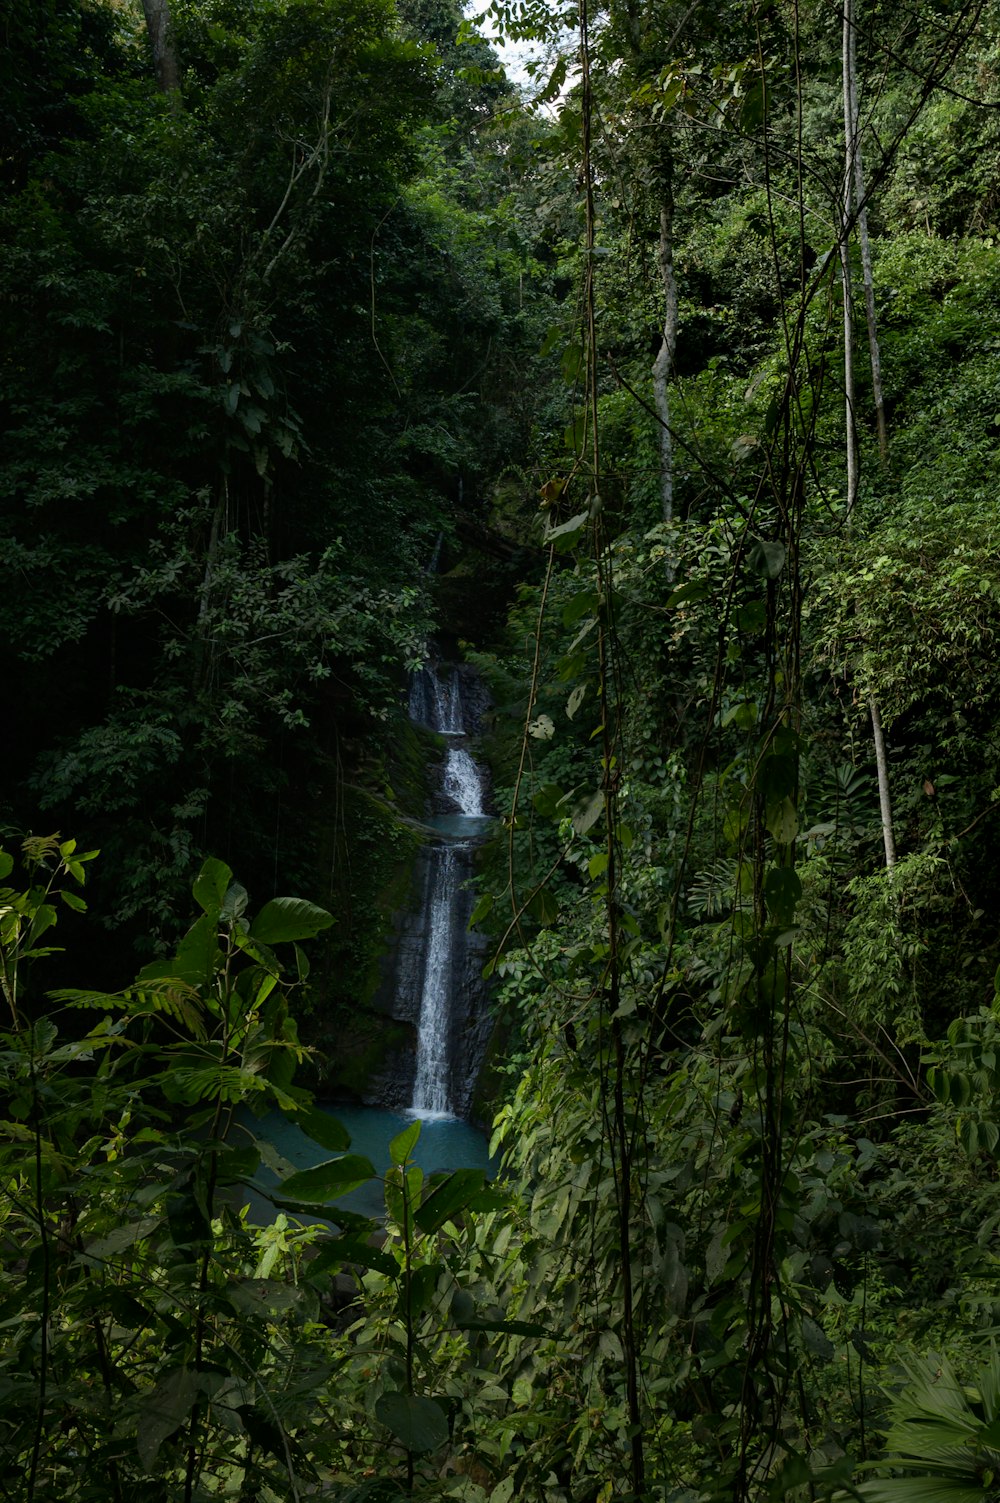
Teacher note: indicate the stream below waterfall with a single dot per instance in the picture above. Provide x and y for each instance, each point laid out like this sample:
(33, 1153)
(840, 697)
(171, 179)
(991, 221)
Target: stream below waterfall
(445, 1143)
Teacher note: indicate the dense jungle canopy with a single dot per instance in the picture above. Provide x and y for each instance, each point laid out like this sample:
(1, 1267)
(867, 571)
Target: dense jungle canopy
(664, 389)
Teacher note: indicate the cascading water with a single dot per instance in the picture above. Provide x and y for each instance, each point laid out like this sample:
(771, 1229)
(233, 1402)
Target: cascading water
(436, 699)
(463, 782)
(431, 1085)
(443, 969)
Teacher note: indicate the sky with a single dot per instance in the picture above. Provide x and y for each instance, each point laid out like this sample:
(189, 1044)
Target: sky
(513, 55)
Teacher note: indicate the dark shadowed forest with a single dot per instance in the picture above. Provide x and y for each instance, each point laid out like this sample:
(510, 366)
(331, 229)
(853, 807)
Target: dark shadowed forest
(646, 395)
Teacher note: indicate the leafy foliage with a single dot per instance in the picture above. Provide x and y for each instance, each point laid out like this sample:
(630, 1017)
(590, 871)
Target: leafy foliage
(181, 1348)
(264, 343)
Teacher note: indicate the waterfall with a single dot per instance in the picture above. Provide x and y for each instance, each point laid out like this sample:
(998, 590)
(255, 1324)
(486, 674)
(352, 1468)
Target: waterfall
(463, 781)
(450, 994)
(431, 1087)
(436, 699)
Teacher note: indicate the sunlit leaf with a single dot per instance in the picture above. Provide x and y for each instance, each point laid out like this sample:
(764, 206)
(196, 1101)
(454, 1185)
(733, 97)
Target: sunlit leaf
(211, 884)
(576, 700)
(567, 529)
(481, 910)
(454, 1194)
(692, 589)
(326, 1181)
(403, 1143)
(285, 919)
(588, 811)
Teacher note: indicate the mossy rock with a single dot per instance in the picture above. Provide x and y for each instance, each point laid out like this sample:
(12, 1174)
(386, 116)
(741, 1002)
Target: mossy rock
(352, 1056)
(367, 835)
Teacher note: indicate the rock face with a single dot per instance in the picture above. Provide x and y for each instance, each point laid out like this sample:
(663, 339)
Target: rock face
(433, 974)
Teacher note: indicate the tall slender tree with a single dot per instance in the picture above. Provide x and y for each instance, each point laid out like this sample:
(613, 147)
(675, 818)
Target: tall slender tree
(159, 26)
(855, 210)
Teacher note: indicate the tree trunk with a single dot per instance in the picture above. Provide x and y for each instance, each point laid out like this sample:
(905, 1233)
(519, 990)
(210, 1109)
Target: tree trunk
(851, 436)
(161, 40)
(663, 366)
(884, 800)
(852, 131)
(854, 183)
(203, 647)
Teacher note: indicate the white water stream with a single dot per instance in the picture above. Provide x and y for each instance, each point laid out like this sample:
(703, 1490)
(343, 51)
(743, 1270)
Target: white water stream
(463, 781)
(436, 701)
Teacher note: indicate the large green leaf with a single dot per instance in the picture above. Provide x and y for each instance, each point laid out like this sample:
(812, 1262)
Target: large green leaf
(548, 799)
(587, 811)
(417, 1423)
(453, 1195)
(509, 1328)
(568, 529)
(198, 953)
(582, 602)
(940, 1435)
(752, 113)
(544, 906)
(164, 1411)
(782, 821)
(327, 1181)
(321, 1127)
(268, 1297)
(211, 885)
(234, 903)
(195, 962)
(923, 1490)
(119, 1239)
(403, 1142)
(777, 776)
(768, 557)
(816, 1341)
(482, 908)
(691, 589)
(236, 1164)
(782, 891)
(338, 1252)
(415, 1294)
(43, 919)
(187, 1220)
(285, 919)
